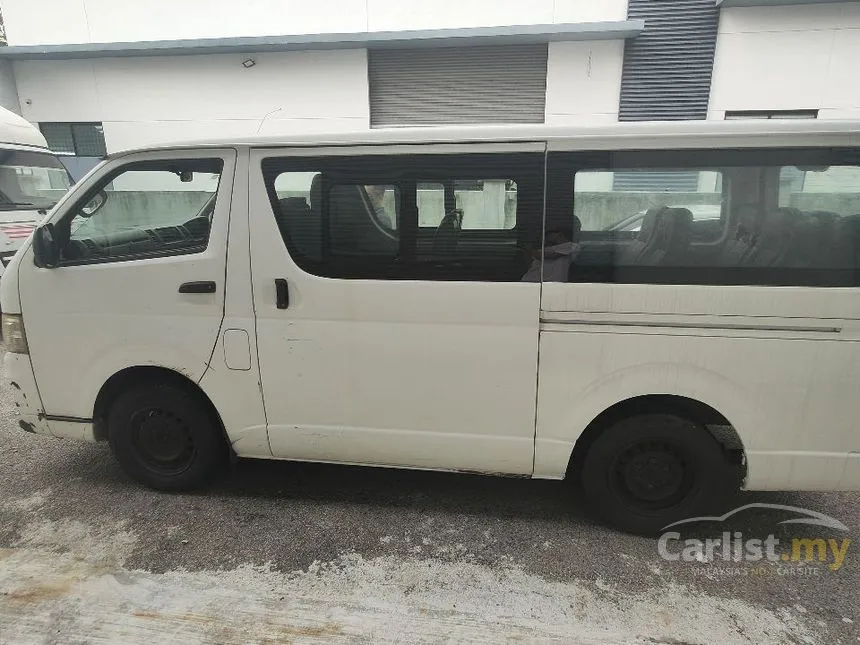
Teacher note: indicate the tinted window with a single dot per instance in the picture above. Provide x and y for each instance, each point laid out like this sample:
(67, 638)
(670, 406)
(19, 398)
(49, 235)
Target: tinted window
(144, 210)
(770, 217)
(434, 217)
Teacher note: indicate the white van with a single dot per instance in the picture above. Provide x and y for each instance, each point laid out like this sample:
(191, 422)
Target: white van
(32, 179)
(359, 299)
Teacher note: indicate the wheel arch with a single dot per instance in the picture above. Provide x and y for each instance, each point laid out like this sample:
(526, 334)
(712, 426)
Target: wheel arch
(701, 413)
(130, 377)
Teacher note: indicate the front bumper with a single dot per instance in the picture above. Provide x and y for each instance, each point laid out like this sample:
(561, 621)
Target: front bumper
(25, 395)
(28, 404)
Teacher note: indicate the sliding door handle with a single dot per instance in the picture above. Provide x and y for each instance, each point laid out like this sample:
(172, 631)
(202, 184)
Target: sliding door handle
(282, 293)
(201, 286)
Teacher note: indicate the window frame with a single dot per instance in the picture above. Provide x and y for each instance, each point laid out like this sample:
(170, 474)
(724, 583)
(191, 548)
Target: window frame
(63, 218)
(405, 168)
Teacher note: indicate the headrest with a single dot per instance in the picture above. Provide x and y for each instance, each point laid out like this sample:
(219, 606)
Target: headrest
(777, 225)
(673, 226)
(649, 221)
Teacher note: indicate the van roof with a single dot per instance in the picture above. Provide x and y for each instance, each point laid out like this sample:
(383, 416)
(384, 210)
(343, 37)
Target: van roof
(17, 130)
(629, 135)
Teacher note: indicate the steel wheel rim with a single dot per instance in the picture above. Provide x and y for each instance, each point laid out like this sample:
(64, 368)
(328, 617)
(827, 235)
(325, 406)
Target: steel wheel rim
(162, 440)
(652, 475)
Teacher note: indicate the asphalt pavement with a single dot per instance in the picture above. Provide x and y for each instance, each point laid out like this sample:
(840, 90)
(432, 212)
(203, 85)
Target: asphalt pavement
(289, 552)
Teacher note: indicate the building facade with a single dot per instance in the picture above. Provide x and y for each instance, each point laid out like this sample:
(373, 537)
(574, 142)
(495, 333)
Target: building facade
(100, 76)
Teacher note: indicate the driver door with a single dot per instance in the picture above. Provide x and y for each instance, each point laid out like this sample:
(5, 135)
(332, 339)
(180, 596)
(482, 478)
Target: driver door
(140, 278)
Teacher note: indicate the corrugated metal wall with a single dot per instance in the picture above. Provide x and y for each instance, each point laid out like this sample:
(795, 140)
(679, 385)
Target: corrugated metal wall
(436, 86)
(667, 69)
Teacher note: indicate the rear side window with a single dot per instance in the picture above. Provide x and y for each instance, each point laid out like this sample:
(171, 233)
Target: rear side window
(766, 217)
(432, 217)
(146, 209)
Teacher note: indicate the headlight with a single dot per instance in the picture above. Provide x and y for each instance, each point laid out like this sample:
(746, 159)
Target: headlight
(13, 334)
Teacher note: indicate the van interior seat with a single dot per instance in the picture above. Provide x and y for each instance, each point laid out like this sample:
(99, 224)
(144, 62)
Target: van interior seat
(738, 245)
(845, 252)
(631, 253)
(670, 242)
(775, 241)
(826, 237)
(808, 243)
(298, 227)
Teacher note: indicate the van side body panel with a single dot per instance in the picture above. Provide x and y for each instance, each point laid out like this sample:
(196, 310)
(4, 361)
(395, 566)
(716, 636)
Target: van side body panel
(784, 380)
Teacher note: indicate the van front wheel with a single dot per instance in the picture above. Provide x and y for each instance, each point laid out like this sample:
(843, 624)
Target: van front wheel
(164, 437)
(649, 470)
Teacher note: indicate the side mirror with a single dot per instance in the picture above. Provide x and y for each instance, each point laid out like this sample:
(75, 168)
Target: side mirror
(46, 250)
(94, 205)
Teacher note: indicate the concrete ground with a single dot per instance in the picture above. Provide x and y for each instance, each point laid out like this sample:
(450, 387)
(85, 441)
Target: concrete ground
(300, 553)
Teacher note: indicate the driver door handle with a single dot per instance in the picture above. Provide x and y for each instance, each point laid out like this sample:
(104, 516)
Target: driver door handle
(201, 286)
(282, 293)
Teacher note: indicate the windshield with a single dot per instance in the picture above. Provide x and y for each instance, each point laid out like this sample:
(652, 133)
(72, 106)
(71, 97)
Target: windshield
(31, 180)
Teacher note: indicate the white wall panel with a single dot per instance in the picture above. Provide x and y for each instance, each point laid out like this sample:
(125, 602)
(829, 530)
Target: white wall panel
(125, 135)
(589, 10)
(391, 15)
(8, 88)
(791, 18)
(45, 22)
(63, 90)
(110, 20)
(842, 89)
(162, 99)
(770, 70)
(788, 58)
(31, 22)
(583, 82)
(316, 84)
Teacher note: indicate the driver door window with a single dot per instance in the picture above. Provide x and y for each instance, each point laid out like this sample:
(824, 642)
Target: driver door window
(148, 209)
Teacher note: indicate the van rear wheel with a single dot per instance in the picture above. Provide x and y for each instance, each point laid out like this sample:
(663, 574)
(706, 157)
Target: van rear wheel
(649, 470)
(164, 436)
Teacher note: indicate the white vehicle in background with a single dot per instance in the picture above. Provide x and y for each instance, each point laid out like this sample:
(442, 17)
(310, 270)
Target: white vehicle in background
(32, 179)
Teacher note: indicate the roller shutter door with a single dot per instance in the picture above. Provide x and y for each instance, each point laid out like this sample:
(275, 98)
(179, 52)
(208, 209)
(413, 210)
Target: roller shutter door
(451, 85)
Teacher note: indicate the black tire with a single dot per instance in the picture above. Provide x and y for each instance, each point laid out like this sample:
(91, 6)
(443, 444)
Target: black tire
(163, 435)
(649, 470)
